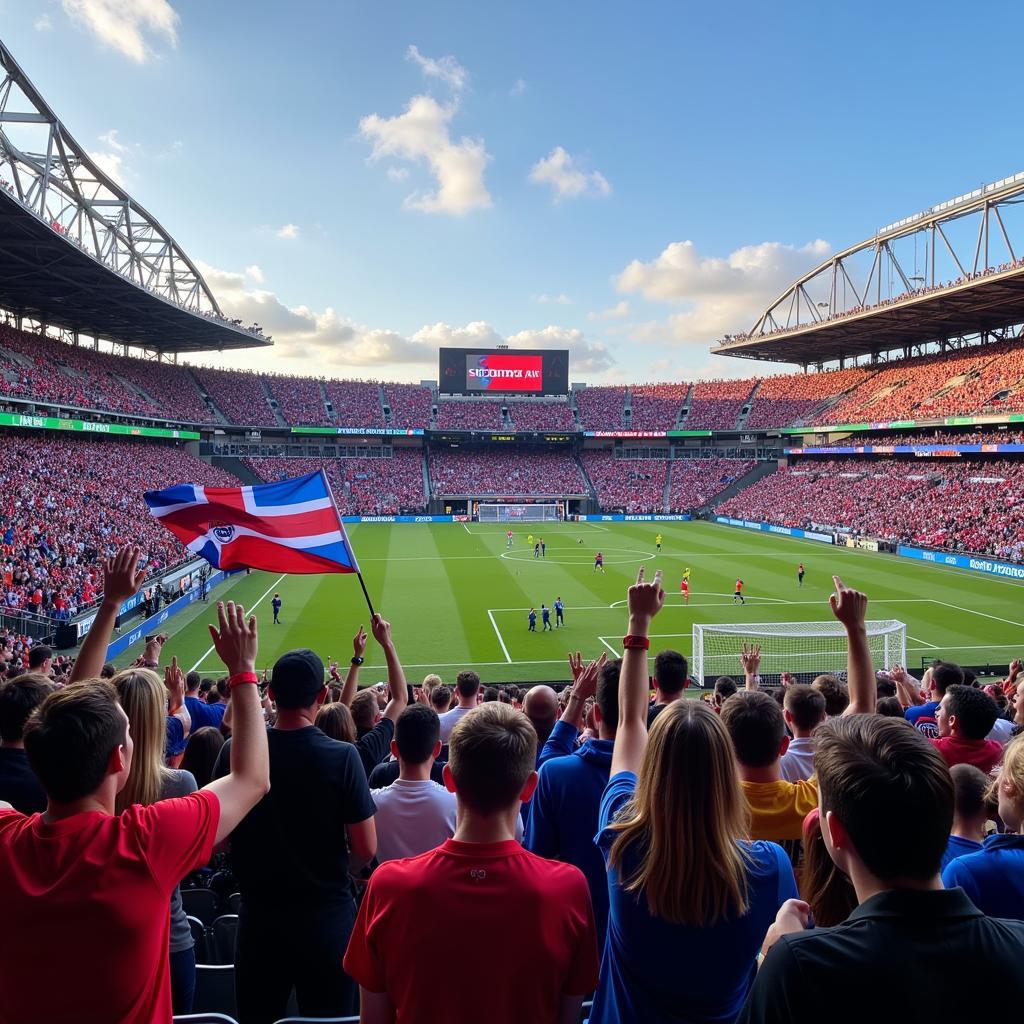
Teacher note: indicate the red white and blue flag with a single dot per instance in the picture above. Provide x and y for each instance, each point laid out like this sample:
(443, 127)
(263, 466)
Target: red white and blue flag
(288, 526)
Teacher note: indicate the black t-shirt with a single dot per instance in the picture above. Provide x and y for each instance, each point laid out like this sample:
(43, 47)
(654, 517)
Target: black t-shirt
(384, 774)
(290, 850)
(375, 744)
(18, 783)
(899, 956)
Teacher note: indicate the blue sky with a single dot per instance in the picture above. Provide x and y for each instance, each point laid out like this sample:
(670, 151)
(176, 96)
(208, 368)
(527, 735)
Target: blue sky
(370, 180)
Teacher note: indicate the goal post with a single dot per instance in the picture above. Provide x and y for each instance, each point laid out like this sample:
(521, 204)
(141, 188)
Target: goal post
(805, 649)
(532, 512)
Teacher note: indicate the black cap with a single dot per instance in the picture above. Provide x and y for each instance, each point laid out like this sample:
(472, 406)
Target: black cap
(297, 679)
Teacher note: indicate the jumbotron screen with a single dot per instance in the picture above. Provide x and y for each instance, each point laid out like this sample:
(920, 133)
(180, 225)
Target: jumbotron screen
(473, 371)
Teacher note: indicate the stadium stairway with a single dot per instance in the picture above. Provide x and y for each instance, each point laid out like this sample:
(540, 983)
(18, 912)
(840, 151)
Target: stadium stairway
(684, 409)
(328, 408)
(272, 402)
(426, 475)
(236, 467)
(591, 489)
(129, 385)
(746, 410)
(762, 469)
(666, 494)
(211, 404)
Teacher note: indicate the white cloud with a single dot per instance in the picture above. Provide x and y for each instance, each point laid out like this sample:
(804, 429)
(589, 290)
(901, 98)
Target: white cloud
(254, 273)
(558, 169)
(422, 134)
(398, 173)
(477, 333)
(42, 23)
(723, 294)
(113, 159)
(110, 139)
(585, 356)
(126, 25)
(112, 165)
(616, 312)
(448, 69)
(518, 88)
(558, 300)
(288, 231)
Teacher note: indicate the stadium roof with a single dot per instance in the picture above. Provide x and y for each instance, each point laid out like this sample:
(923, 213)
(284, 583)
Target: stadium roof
(78, 252)
(827, 315)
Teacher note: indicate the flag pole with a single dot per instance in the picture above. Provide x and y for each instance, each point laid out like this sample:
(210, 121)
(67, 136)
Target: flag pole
(359, 574)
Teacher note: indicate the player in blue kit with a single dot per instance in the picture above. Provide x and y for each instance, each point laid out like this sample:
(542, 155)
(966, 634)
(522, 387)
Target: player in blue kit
(276, 605)
(559, 613)
(533, 620)
(545, 614)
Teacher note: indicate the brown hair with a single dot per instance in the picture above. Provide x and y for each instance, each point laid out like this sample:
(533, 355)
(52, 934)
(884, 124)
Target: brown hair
(837, 698)
(805, 704)
(685, 837)
(829, 892)
(492, 751)
(364, 709)
(756, 727)
(335, 720)
(70, 737)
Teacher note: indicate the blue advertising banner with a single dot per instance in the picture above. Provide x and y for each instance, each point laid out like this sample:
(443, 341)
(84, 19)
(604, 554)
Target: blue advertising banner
(785, 531)
(976, 563)
(619, 517)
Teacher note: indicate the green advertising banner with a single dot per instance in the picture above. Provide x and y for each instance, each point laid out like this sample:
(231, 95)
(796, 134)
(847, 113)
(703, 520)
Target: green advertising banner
(17, 419)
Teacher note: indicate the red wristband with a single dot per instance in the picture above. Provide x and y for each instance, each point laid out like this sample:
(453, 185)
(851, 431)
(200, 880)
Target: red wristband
(632, 642)
(242, 677)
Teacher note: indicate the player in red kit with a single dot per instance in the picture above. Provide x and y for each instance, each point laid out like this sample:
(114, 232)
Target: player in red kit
(599, 562)
(684, 589)
(739, 592)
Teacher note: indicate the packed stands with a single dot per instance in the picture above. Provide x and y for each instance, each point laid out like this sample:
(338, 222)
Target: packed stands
(601, 408)
(410, 405)
(506, 472)
(970, 505)
(239, 395)
(469, 415)
(919, 437)
(716, 404)
(361, 485)
(656, 406)
(64, 506)
(356, 403)
(299, 400)
(629, 485)
(169, 384)
(541, 416)
(793, 398)
(696, 481)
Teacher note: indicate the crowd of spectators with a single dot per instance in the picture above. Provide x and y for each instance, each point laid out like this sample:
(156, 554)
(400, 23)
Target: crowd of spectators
(541, 416)
(239, 395)
(410, 404)
(361, 485)
(469, 414)
(627, 485)
(64, 506)
(792, 398)
(968, 505)
(656, 406)
(696, 481)
(716, 404)
(601, 408)
(927, 437)
(299, 400)
(356, 403)
(512, 471)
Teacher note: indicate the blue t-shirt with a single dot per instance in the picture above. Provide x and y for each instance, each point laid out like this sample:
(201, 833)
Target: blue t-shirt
(922, 717)
(546, 613)
(993, 878)
(653, 970)
(958, 847)
(204, 714)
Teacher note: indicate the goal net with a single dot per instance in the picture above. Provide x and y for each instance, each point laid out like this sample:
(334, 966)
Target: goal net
(805, 649)
(527, 513)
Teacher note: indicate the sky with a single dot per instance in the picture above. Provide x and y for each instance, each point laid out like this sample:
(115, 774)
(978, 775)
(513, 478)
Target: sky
(370, 180)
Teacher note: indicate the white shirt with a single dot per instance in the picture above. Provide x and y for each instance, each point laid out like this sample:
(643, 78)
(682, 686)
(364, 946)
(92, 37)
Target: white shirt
(797, 763)
(450, 719)
(1002, 731)
(412, 817)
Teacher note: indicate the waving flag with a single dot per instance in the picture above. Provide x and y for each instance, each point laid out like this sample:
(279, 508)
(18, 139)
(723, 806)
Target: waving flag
(289, 526)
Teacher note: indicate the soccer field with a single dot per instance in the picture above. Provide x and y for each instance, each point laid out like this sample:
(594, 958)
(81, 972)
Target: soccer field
(458, 598)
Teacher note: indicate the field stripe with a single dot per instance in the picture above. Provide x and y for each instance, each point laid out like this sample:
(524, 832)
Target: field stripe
(974, 611)
(255, 605)
(615, 653)
(497, 633)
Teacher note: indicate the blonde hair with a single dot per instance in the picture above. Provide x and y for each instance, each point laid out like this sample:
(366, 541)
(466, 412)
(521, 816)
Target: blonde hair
(685, 821)
(144, 699)
(1012, 771)
(431, 682)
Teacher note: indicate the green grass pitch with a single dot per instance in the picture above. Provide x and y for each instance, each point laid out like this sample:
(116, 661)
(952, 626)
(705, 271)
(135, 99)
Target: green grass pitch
(458, 598)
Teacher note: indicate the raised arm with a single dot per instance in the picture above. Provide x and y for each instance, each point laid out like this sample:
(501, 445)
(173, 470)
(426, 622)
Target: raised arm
(750, 659)
(644, 601)
(174, 680)
(583, 688)
(122, 579)
(348, 691)
(850, 608)
(396, 674)
(249, 778)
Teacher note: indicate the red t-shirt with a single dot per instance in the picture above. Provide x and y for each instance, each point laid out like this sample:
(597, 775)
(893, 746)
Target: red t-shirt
(983, 754)
(480, 894)
(86, 909)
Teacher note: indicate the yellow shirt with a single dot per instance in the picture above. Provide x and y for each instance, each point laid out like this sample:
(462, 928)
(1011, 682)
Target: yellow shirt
(778, 809)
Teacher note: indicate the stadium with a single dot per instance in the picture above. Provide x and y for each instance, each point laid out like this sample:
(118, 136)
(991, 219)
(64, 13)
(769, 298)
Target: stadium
(501, 511)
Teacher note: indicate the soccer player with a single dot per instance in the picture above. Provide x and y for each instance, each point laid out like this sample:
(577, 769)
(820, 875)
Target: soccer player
(686, 574)
(657, 542)
(508, 538)
(276, 605)
(684, 588)
(739, 592)
(543, 549)
(545, 614)
(533, 620)
(559, 612)
(800, 574)
(529, 540)
(536, 550)
(599, 562)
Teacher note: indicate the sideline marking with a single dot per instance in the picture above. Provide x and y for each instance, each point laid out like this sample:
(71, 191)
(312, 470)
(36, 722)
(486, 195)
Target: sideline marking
(497, 633)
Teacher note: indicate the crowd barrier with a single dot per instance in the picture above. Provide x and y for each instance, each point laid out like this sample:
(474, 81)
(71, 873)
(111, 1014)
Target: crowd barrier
(976, 563)
(923, 451)
(405, 519)
(620, 517)
(786, 531)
